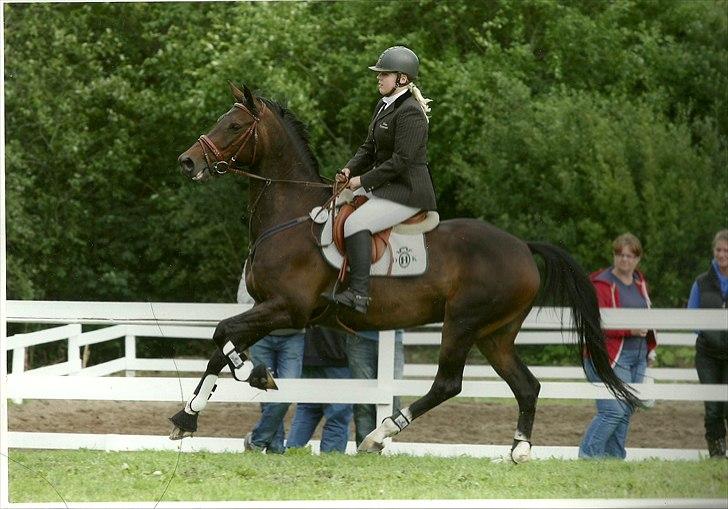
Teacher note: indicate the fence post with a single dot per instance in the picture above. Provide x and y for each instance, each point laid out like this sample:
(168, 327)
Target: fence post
(74, 352)
(385, 374)
(130, 353)
(18, 367)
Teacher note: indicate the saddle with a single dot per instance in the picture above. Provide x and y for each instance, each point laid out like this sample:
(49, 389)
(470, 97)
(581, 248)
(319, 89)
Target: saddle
(380, 240)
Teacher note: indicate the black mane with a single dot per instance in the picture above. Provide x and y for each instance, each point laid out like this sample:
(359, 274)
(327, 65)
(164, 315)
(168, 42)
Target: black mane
(301, 138)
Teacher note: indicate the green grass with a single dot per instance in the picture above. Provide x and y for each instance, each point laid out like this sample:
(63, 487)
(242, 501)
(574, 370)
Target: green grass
(88, 476)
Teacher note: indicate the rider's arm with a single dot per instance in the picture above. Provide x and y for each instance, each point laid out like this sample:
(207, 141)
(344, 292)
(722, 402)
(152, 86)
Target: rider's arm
(365, 156)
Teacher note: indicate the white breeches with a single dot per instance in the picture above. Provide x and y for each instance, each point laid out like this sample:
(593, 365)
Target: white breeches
(376, 215)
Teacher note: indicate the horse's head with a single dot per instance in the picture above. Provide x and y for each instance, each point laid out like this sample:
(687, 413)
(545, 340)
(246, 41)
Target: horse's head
(231, 142)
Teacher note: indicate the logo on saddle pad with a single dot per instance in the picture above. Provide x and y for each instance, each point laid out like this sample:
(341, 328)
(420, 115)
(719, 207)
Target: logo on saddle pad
(405, 256)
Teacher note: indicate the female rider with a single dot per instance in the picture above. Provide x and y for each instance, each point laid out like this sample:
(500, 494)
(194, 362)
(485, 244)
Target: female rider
(390, 168)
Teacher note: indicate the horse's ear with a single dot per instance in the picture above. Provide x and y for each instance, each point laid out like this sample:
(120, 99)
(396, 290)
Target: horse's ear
(249, 101)
(237, 94)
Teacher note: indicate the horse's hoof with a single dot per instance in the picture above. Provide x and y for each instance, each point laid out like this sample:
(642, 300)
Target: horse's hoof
(262, 378)
(370, 447)
(185, 422)
(521, 452)
(179, 434)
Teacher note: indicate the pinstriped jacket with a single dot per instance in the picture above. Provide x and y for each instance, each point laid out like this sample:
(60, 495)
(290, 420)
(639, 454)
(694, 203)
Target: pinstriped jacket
(392, 162)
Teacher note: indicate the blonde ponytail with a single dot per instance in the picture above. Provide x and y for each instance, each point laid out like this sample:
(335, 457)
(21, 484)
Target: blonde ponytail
(420, 99)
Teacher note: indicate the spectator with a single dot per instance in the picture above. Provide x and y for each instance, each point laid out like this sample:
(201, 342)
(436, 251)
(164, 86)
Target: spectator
(630, 351)
(282, 352)
(710, 290)
(363, 353)
(324, 357)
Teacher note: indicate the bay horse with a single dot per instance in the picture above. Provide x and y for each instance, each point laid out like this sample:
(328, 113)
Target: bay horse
(481, 282)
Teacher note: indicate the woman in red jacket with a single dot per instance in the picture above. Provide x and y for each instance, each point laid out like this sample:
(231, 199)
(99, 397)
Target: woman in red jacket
(630, 351)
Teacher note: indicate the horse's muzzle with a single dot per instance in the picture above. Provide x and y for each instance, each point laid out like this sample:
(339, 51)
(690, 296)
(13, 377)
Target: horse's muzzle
(186, 165)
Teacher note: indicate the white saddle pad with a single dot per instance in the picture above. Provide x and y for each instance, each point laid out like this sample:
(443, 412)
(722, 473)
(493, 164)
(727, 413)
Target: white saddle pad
(406, 255)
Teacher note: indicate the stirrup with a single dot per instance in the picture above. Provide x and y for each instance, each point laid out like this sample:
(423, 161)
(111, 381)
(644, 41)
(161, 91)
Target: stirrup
(353, 300)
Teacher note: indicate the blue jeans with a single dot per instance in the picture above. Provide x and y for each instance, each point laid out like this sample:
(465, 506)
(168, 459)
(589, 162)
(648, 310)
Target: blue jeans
(284, 357)
(335, 433)
(606, 436)
(363, 356)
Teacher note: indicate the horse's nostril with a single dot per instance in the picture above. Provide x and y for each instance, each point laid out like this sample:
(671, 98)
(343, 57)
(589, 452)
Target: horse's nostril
(186, 163)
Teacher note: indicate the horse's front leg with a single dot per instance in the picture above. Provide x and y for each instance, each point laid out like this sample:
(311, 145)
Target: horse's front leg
(185, 421)
(232, 336)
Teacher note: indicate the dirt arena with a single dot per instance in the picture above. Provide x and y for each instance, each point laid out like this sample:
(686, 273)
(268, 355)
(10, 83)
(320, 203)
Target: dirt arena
(668, 425)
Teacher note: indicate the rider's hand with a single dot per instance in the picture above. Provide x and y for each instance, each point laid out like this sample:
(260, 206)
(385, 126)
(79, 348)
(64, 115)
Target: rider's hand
(343, 175)
(354, 183)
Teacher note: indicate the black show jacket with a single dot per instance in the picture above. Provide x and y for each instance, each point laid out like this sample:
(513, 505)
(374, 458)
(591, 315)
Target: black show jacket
(392, 162)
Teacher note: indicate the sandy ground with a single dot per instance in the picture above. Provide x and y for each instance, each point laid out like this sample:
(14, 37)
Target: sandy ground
(667, 425)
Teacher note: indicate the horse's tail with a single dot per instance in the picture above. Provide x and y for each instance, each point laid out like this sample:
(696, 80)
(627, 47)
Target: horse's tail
(565, 283)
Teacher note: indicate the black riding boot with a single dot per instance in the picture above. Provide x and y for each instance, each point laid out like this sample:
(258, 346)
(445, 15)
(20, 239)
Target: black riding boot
(716, 447)
(359, 250)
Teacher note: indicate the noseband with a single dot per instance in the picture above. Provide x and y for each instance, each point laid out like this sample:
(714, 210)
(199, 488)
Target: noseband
(219, 164)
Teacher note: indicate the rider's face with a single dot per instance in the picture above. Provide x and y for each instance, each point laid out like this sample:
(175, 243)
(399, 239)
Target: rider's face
(387, 82)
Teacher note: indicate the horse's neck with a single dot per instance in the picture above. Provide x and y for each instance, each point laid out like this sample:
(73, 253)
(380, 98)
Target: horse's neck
(275, 203)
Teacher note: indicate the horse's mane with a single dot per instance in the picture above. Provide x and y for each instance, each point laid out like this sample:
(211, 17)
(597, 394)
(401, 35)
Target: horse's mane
(296, 127)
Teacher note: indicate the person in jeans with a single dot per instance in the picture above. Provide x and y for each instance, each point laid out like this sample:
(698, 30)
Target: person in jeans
(282, 352)
(324, 357)
(710, 290)
(363, 353)
(630, 351)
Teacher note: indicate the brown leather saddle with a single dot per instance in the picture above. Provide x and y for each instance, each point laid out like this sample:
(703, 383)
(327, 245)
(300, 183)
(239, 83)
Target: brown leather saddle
(380, 240)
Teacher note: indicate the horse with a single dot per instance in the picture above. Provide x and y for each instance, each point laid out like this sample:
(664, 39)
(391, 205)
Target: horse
(481, 281)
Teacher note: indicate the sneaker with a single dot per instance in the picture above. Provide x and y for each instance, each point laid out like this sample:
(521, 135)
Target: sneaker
(249, 446)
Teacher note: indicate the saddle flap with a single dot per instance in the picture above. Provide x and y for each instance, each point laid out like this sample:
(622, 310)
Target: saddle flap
(380, 240)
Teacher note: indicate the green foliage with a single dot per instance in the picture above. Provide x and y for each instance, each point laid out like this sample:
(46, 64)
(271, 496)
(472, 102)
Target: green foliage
(95, 476)
(568, 121)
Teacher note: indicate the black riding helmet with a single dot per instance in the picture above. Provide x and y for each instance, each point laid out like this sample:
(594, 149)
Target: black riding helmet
(398, 59)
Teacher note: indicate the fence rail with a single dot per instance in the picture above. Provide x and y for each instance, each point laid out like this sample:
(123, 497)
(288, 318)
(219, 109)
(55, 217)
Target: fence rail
(179, 322)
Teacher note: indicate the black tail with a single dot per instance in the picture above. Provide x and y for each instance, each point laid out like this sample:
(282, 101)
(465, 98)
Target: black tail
(566, 284)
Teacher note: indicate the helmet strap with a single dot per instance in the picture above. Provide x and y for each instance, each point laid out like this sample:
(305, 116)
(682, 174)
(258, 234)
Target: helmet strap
(397, 85)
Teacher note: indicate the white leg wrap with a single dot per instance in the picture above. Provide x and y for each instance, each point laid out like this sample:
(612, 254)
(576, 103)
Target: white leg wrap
(232, 354)
(522, 451)
(390, 426)
(243, 372)
(199, 400)
(242, 367)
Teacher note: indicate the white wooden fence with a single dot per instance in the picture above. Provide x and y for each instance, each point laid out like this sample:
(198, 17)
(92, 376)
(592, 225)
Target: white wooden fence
(178, 322)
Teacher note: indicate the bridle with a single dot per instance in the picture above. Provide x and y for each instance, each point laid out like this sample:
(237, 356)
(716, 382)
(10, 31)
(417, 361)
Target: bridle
(216, 162)
(220, 165)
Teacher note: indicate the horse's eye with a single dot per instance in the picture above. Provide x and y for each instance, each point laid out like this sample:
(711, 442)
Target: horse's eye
(235, 126)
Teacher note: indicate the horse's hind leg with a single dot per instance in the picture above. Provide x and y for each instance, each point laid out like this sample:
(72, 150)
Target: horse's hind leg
(185, 421)
(456, 343)
(500, 351)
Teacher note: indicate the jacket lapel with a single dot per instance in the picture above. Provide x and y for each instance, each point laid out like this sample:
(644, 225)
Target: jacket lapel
(391, 109)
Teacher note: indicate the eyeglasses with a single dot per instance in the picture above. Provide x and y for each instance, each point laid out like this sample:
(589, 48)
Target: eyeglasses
(628, 256)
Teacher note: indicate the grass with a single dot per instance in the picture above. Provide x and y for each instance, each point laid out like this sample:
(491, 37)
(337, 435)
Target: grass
(89, 476)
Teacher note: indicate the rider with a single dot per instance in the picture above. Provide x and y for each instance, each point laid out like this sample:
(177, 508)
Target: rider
(390, 168)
